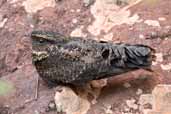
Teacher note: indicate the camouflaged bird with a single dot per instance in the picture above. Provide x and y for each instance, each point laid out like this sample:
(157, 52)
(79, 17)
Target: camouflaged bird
(73, 60)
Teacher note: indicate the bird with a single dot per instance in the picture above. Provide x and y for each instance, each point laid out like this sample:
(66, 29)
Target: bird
(61, 59)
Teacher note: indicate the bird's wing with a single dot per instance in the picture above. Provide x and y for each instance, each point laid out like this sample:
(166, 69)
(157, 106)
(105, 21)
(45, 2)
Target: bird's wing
(81, 50)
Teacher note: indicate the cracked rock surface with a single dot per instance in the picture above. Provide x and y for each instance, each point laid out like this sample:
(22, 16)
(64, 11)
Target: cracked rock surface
(132, 21)
(160, 100)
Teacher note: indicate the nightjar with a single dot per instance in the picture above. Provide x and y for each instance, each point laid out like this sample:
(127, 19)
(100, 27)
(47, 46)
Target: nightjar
(74, 60)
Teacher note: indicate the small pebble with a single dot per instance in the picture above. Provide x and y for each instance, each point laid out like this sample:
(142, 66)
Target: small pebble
(127, 85)
(139, 92)
(2, 23)
(132, 104)
(78, 10)
(37, 112)
(52, 106)
(153, 34)
(66, 100)
(126, 109)
(162, 19)
(94, 101)
(159, 58)
(74, 21)
(88, 2)
(108, 109)
(166, 66)
(72, 10)
(153, 23)
(141, 36)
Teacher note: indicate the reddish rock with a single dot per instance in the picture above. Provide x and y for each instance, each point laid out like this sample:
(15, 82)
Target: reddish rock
(160, 99)
(15, 52)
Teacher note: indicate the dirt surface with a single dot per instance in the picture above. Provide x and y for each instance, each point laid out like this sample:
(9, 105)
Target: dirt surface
(144, 22)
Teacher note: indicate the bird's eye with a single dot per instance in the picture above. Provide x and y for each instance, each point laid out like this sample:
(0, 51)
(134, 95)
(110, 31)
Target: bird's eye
(41, 40)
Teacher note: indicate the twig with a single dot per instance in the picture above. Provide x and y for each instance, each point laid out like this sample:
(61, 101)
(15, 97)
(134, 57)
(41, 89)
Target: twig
(37, 88)
(29, 100)
(166, 56)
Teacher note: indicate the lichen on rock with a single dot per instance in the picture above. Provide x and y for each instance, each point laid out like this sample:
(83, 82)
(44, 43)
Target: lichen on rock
(68, 101)
(32, 6)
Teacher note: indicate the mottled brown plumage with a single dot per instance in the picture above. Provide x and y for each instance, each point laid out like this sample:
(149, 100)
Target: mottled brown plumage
(73, 60)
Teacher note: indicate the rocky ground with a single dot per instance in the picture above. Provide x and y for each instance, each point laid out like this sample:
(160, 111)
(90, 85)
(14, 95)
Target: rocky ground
(132, 21)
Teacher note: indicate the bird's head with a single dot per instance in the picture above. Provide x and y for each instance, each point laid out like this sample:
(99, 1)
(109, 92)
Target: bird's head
(43, 42)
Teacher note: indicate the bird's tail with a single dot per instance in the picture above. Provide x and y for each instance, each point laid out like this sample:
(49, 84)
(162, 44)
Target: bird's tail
(136, 56)
(140, 56)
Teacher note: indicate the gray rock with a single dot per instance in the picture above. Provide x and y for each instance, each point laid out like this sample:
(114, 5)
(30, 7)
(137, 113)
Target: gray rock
(88, 2)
